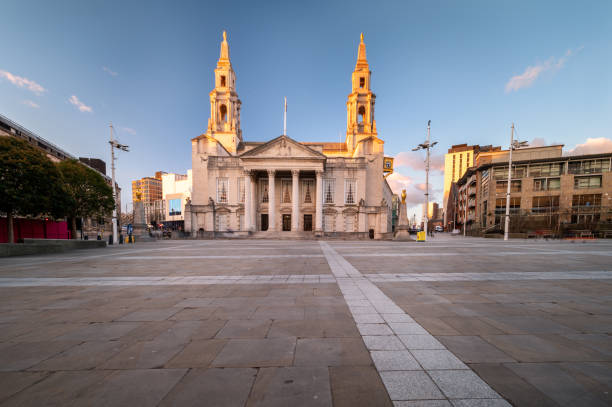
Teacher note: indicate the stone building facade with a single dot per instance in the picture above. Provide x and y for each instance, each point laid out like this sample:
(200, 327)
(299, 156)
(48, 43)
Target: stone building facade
(286, 186)
(549, 191)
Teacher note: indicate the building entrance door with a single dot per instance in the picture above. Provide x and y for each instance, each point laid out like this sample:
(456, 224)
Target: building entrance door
(286, 223)
(307, 223)
(264, 221)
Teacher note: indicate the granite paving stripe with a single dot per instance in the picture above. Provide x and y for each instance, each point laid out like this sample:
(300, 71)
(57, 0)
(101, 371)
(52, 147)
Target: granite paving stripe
(412, 369)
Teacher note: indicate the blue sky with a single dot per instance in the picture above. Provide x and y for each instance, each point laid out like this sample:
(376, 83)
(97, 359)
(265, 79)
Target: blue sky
(68, 68)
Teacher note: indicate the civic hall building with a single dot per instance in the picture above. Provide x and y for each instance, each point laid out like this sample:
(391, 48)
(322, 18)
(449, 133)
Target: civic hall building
(284, 186)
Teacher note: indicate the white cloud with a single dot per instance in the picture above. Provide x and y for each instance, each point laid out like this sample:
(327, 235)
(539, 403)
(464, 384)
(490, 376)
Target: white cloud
(109, 71)
(527, 78)
(22, 82)
(414, 192)
(416, 161)
(592, 146)
(80, 105)
(31, 104)
(538, 142)
(128, 130)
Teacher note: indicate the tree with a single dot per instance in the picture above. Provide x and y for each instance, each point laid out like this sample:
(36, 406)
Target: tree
(87, 192)
(29, 182)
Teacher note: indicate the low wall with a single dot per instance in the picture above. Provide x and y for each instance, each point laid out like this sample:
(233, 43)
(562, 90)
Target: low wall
(44, 246)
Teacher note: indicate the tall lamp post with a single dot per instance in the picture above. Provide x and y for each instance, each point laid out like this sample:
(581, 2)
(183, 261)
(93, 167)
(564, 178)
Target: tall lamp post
(426, 146)
(114, 145)
(514, 145)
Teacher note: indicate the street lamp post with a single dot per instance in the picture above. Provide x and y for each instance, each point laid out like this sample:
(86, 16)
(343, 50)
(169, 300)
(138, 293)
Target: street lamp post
(114, 145)
(426, 146)
(514, 144)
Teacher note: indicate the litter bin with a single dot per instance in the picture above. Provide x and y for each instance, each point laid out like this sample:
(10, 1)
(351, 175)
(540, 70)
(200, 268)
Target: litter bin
(421, 236)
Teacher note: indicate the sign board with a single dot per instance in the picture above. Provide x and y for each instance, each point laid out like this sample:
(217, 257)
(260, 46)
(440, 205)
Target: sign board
(387, 165)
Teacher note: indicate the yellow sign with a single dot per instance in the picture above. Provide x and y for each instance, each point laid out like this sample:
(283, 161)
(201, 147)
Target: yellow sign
(421, 236)
(387, 165)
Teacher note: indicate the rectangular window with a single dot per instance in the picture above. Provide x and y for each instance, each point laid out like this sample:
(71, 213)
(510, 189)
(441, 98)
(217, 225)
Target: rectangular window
(241, 189)
(328, 190)
(543, 204)
(174, 207)
(350, 189)
(263, 185)
(587, 182)
(222, 223)
(546, 184)
(500, 208)
(222, 190)
(328, 223)
(588, 166)
(308, 191)
(502, 172)
(460, 163)
(501, 187)
(454, 157)
(586, 200)
(349, 223)
(467, 161)
(286, 191)
(546, 170)
(361, 82)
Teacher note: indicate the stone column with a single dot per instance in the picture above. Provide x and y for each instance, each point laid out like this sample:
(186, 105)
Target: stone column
(271, 201)
(319, 203)
(253, 209)
(295, 199)
(247, 201)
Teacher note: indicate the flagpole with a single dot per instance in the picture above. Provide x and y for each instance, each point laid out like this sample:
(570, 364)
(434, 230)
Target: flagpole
(285, 118)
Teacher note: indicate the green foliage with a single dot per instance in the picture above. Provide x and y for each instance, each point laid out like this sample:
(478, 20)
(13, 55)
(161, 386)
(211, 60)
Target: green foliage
(87, 192)
(30, 184)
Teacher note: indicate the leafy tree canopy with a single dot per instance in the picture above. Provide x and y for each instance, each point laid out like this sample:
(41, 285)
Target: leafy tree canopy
(87, 191)
(30, 184)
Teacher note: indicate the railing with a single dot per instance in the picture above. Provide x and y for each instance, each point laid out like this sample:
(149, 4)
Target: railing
(544, 209)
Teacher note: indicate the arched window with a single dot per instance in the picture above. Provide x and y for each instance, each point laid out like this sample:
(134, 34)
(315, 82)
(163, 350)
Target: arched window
(223, 112)
(361, 114)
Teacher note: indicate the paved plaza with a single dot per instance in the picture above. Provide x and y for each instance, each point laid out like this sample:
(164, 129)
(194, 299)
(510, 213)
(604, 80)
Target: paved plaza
(451, 322)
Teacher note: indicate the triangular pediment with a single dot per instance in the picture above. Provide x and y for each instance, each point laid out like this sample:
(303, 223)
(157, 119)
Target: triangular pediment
(282, 147)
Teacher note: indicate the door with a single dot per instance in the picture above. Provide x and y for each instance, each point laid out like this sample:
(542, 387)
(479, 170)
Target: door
(286, 223)
(307, 223)
(264, 221)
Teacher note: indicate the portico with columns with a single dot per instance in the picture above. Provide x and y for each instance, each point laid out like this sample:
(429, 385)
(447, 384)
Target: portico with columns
(283, 186)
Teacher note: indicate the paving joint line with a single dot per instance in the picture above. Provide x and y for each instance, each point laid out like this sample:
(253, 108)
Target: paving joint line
(413, 365)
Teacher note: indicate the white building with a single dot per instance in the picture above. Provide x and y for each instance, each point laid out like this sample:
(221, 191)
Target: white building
(176, 192)
(304, 188)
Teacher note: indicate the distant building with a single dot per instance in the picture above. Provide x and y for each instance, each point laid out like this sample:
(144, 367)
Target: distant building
(148, 190)
(95, 163)
(550, 193)
(9, 128)
(457, 160)
(176, 190)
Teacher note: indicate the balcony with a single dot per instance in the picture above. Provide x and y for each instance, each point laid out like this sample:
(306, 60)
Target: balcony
(544, 209)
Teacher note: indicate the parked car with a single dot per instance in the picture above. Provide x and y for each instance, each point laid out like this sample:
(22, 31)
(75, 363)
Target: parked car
(439, 229)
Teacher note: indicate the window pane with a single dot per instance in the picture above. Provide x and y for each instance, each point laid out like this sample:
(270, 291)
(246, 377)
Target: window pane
(349, 191)
(328, 191)
(222, 190)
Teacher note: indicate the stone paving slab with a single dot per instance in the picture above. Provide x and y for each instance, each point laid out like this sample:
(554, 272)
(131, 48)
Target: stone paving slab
(310, 324)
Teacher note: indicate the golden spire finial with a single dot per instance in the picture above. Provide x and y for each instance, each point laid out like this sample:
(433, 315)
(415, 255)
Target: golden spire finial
(403, 196)
(224, 57)
(361, 54)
